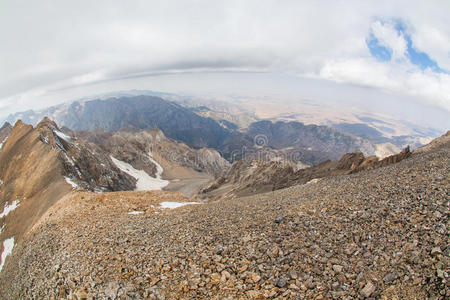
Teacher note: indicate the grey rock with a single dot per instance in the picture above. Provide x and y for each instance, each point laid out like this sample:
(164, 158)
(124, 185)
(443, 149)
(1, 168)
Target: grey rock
(281, 283)
(279, 220)
(389, 277)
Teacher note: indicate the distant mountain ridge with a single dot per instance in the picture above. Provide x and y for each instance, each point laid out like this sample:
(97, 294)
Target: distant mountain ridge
(309, 137)
(310, 144)
(142, 112)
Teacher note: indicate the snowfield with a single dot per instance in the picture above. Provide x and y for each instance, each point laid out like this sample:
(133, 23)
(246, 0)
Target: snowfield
(63, 136)
(144, 181)
(8, 246)
(9, 208)
(172, 205)
(1, 143)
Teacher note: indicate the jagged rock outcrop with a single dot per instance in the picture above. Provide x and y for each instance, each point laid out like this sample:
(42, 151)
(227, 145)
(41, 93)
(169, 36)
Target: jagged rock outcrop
(37, 168)
(372, 162)
(134, 146)
(85, 163)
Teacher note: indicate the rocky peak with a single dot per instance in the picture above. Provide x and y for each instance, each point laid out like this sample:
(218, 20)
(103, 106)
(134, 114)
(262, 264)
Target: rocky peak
(84, 163)
(7, 125)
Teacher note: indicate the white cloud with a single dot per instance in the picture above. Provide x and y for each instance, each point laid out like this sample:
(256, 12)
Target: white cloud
(389, 37)
(48, 45)
(402, 78)
(435, 42)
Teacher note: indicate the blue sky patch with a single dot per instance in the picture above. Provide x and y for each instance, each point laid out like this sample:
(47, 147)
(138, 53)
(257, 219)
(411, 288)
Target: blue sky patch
(378, 51)
(416, 57)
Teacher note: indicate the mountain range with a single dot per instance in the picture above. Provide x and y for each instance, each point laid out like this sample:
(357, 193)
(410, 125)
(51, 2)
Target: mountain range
(190, 124)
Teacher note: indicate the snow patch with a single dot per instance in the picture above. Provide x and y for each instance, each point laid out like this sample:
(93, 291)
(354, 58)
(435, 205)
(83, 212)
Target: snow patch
(9, 208)
(8, 246)
(71, 182)
(172, 205)
(1, 144)
(63, 136)
(159, 168)
(144, 181)
(135, 212)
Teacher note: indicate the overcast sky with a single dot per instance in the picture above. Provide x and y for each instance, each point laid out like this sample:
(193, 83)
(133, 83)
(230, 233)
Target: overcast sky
(52, 51)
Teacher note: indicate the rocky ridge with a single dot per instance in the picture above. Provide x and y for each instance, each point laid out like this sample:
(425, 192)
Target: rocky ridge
(258, 174)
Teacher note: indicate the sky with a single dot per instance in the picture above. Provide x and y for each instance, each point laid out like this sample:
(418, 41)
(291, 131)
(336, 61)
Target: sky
(55, 51)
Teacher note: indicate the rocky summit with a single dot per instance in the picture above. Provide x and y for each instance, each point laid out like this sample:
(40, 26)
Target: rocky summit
(379, 233)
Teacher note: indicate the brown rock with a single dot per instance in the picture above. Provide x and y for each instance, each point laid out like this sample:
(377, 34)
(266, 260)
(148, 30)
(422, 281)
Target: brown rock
(368, 289)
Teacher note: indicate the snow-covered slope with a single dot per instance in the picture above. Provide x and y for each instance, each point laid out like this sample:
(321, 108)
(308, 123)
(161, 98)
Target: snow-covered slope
(144, 181)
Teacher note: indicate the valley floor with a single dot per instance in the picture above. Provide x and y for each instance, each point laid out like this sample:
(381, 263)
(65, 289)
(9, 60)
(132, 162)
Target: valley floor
(381, 234)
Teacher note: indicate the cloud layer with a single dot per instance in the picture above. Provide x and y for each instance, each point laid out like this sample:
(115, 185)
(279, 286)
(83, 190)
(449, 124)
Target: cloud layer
(49, 46)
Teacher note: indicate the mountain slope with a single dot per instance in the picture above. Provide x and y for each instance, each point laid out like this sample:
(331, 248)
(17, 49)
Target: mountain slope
(187, 169)
(31, 181)
(379, 233)
(130, 145)
(40, 165)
